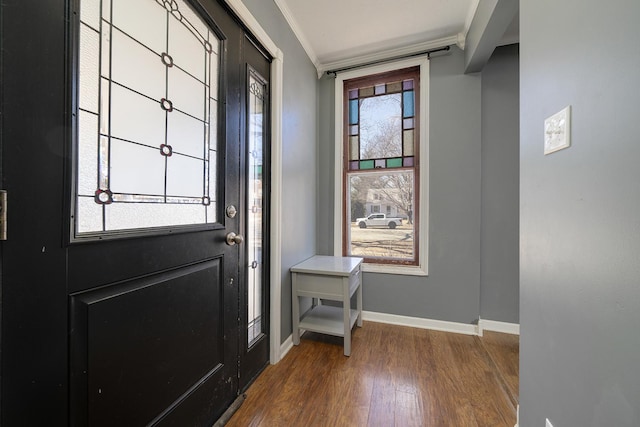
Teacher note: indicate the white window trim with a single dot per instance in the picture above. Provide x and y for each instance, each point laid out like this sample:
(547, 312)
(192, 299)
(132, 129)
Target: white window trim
(423, 61)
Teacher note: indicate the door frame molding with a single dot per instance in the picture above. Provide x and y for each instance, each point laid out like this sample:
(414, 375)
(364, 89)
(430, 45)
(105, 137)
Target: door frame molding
(275, 279)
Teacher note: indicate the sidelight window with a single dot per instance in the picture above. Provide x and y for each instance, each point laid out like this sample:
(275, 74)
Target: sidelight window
(257, 132)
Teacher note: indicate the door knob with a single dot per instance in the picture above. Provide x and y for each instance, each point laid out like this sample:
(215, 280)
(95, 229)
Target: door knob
(233, 239)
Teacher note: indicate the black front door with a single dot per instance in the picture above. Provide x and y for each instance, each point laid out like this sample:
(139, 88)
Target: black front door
(120, 293)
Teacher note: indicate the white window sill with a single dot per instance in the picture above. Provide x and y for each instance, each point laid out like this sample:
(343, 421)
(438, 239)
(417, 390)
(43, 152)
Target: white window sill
(394, 269)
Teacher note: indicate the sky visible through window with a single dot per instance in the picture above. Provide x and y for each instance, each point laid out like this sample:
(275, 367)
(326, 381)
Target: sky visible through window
(381, 126)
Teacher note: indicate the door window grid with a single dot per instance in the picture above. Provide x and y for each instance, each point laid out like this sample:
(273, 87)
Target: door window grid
(146, 145)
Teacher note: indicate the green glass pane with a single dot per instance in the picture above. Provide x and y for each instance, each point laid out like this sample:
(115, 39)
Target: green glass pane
(394, 163)
(366, 164)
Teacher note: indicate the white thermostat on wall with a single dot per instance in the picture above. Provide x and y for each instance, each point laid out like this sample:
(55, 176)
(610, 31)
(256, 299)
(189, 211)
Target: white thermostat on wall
(557, 131)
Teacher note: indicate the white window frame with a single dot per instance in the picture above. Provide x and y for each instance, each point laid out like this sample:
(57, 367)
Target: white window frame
(423, 62)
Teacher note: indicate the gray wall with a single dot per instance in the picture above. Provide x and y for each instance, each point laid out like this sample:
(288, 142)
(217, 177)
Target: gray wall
(299, 173)
(452, 290)
(326, 153)
(580, 215)
(499, 271)
(456, 265)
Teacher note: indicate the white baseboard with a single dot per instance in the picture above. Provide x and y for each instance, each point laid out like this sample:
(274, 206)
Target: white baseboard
(285, 347)
(495, 326)
(418, 322)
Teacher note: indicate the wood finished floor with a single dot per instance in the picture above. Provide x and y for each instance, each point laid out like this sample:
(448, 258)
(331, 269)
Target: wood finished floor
(396, 376)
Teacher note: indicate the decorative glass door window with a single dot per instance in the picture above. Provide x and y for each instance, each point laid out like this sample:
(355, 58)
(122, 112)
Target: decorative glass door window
(255, 178)
(380, 167)
(146, 147)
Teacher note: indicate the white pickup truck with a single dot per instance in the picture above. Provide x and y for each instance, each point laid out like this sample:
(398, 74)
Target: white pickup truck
(378, 220)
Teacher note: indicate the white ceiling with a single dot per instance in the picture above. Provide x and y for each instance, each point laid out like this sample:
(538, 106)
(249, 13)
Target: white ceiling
(335, 31)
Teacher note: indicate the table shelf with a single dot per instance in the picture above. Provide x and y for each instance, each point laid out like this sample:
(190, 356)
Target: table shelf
(327, 319)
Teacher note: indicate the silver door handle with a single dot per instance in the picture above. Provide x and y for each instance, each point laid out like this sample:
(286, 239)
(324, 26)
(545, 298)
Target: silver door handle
(233, 239)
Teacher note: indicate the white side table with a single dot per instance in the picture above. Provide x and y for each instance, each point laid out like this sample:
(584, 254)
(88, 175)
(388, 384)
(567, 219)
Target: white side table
(330, 278)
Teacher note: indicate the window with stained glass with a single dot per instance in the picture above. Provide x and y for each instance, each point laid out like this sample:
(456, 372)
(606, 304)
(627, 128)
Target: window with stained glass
(381, 154)
(146, 145)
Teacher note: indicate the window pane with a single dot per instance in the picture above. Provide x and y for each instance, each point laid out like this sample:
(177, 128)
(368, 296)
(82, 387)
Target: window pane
(186, 50)
(145, 126)
(145, 21)
(185, 134)
(87, 152)
(186, 93)
(136, 67)
(90, 13)
(391, 237)
(408, 142)
(353, 111)
(136, 169)
(89, 63)
(184, 176)
(123, 216)
(381, 127)
(407, 100)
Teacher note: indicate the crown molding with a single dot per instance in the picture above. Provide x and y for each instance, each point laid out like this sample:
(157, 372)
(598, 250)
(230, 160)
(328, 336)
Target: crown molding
(295, 27)
(461, 40)
(387, 54)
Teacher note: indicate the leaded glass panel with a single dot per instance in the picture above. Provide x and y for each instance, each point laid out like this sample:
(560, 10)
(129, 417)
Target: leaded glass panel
(382, 118)
(147, 120)
(255, 160)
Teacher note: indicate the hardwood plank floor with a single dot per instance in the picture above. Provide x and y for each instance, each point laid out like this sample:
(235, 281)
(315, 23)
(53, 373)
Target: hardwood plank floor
(504, 350)
(395, 376)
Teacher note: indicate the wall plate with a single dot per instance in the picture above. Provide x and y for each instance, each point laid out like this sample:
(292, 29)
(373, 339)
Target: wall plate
(557, 131)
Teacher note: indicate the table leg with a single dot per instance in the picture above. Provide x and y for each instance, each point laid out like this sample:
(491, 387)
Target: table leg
(359, 302)
(346, 316)
(295, 303)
